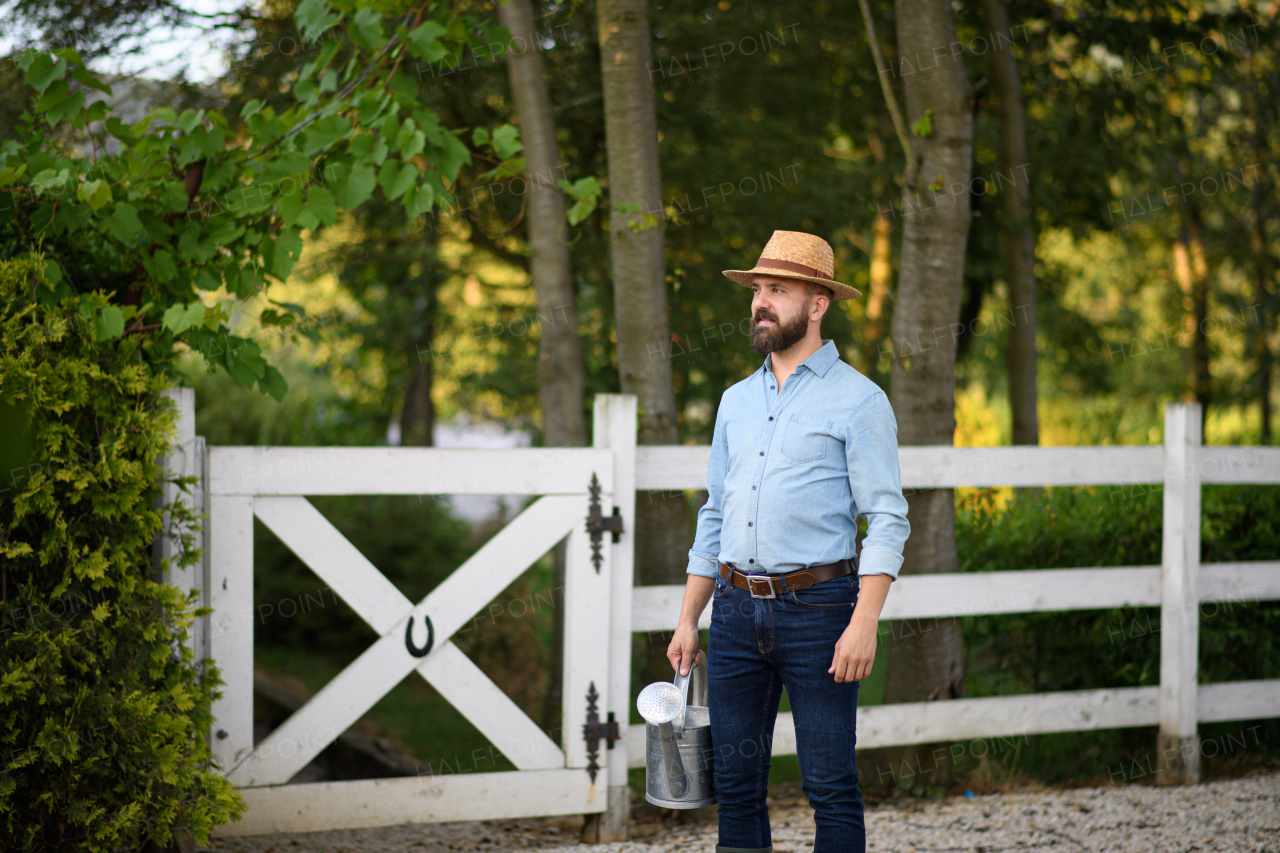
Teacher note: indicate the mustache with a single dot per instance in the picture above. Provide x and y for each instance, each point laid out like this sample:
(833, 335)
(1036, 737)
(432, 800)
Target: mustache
(762, 314)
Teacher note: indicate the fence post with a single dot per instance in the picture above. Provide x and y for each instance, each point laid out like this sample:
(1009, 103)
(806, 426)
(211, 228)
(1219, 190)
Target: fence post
(186, 458)
(1178, 744)
(614, 427)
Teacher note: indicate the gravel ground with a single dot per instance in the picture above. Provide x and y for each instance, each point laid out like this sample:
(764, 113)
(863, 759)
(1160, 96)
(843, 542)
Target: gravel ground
(1237, 815)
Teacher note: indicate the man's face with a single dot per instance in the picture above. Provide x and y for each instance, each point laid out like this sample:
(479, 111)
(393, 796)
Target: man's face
(779, 313)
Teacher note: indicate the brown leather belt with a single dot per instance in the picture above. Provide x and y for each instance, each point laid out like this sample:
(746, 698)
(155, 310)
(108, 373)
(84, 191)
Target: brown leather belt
(771, 586)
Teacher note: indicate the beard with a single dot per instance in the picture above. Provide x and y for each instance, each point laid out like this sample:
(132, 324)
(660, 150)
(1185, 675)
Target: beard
(782, 336)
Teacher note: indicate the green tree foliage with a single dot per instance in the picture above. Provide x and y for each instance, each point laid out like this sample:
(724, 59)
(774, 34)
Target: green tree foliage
(106, 711)
(176, 204)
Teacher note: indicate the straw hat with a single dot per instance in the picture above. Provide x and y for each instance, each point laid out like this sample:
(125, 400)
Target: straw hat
(794, 254)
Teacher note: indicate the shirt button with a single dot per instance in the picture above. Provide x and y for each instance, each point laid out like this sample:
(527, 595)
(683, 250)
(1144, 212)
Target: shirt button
(750, 561)
(770, 417)
(753, 488)
(762, 453)
(748, 524)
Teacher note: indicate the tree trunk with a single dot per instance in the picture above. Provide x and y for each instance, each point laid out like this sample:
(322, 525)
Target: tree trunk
(560, 367)
(418, 417)
(639, 276)
(1194, 281)
(926, 656)
(880, 272)
(1017, 232)
(560, 370)
(1262, 283)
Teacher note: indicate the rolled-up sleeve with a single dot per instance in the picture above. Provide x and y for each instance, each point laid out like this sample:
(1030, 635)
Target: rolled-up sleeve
(704, 556)
(871, 445)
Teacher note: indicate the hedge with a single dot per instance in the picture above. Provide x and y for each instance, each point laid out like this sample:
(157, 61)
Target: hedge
(105, 710)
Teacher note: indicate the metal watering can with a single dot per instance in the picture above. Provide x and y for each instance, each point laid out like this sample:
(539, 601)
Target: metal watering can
(678, 740)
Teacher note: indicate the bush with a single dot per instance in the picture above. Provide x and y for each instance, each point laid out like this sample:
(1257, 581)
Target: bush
(106, 712)
(1119, 647)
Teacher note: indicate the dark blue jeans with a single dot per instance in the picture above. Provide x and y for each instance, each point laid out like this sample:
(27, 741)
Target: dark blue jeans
(758, 646)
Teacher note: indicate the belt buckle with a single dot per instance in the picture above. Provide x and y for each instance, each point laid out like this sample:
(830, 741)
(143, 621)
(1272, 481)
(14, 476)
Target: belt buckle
(768, 582)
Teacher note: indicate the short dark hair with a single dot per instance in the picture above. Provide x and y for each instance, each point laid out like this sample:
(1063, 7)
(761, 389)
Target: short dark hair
(812, 288)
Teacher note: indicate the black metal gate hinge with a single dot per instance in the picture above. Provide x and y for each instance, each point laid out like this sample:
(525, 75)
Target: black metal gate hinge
(596, 730)
(598, 523)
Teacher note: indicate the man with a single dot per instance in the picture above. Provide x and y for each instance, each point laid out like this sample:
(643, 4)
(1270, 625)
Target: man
(801, 448)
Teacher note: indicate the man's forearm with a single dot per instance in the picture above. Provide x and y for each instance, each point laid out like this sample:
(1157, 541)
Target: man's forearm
(872, 591)
(697, 592)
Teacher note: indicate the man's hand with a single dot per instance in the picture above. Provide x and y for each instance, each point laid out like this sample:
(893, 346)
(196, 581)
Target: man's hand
(856, 648)
(684, 644)
(855, 651)
(697, 592)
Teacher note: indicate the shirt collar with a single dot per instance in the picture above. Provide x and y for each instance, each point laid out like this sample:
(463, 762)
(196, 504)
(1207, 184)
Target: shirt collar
(819, 362)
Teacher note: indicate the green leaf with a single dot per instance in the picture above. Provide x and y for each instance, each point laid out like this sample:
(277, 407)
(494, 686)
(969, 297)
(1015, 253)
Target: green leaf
(54, 95)
(206, 281)
(188, 120)
(52, 272)
(48, 179)
(88, 78)
(581, 210)
(165, 268)
(250, 109)
(10, 175)
(314, 17)
(355, 189)
(418, 203)
(272, 383)
(44, 70)
(396, 183)
(320, 205)
(324, 132)
(178, 318)
(371, 107)
(924, 127)
(123, 223)
(121, 131)
(68, 109)
(71, 55)
(214, 142)
(368, 32)
(287, 248)
(109, 322)
(97, 193)
(290, 206)
(423, 42)
(287, 164)
(368, 148)
(506, 141)
(479, 136)
(585, 188)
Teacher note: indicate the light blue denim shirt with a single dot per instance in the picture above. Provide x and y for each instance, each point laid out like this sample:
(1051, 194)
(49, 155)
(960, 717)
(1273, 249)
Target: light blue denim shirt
(791, 472)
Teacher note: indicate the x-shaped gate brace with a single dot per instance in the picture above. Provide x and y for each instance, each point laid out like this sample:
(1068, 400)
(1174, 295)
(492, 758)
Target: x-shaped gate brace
(384, 664)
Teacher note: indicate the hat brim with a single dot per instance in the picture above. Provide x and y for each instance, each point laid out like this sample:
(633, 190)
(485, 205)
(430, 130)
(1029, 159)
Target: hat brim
(838, 289)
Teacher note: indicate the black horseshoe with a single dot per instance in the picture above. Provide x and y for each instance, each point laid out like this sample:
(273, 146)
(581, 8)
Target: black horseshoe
(408, 638)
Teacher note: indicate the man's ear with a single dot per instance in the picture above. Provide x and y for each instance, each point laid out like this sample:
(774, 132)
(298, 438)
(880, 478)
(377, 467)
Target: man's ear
(822, 302)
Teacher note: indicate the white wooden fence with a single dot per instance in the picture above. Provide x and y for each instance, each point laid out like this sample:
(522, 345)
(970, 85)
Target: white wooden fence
(1179, 586)
(603, 609)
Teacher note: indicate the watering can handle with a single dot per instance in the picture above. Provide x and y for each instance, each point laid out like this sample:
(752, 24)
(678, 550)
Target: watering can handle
(682, 683)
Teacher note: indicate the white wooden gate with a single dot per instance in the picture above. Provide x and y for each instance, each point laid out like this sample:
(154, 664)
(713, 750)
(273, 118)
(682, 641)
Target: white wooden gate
(270, 483)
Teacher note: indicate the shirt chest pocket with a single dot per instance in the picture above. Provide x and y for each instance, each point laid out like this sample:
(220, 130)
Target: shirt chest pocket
(806, 439)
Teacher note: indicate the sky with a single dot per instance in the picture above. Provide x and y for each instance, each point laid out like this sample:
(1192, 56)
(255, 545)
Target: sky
(164, 51)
